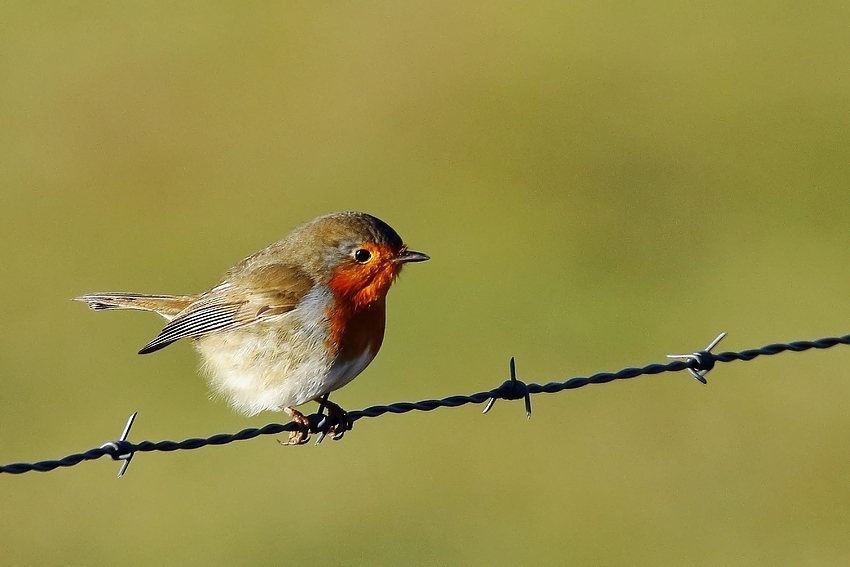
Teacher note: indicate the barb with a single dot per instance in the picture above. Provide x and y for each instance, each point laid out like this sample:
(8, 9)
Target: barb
(117, 446)
(698, 364)
(702, 358)
(513, 390)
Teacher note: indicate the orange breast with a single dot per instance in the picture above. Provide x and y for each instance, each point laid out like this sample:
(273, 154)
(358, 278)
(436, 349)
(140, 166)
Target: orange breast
(354, 331)
(358, 316)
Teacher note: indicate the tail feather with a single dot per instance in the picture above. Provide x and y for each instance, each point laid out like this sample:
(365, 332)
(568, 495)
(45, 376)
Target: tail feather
(168, 306)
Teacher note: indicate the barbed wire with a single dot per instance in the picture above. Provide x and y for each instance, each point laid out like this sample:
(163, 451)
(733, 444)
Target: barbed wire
(698, 364)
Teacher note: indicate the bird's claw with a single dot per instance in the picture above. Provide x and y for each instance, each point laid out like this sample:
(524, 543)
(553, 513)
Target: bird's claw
(297, 437)
(302, 434)
(343, 422)
(340, 422)
(338, 418)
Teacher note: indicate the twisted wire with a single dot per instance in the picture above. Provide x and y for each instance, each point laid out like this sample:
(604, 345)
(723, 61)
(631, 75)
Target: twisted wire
(510, 390)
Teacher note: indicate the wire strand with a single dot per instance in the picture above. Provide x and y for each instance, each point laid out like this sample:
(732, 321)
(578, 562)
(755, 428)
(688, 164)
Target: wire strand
(697, 363)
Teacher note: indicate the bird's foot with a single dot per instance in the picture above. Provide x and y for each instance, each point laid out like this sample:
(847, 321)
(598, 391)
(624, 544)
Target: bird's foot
(339, 416)
(300, 435)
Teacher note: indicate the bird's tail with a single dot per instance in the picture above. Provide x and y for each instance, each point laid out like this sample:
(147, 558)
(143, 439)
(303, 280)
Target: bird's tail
(168, 306)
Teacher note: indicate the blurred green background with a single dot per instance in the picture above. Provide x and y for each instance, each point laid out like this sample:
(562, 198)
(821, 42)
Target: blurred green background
(598, 184)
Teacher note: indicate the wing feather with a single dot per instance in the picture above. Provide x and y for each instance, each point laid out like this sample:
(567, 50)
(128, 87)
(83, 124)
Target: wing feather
(266, 291)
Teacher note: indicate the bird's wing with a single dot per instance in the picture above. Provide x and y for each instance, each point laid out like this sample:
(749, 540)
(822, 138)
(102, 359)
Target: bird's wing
(238, 301)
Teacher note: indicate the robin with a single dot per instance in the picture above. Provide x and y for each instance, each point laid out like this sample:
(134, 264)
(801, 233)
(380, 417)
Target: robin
(293, 322)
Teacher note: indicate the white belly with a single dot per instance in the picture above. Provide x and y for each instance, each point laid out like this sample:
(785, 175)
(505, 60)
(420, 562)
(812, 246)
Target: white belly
(279, 362)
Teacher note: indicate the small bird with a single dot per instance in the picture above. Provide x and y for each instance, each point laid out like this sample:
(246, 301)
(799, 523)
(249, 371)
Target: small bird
(291, 323)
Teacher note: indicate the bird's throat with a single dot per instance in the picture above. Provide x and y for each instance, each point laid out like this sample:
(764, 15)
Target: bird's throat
(361, 287)
(358, 314)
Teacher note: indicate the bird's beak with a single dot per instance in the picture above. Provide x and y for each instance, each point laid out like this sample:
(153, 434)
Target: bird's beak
(406, 256)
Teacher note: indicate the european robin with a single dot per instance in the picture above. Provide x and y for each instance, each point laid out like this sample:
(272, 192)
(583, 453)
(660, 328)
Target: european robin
(293, 322)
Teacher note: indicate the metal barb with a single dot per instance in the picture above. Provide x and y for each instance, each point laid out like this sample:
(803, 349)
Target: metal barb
(527, 405)
(322, 403)
(514, 381)
(323, 431)
(527, 396)
(699, 374)
(492, 401)
(115, 446)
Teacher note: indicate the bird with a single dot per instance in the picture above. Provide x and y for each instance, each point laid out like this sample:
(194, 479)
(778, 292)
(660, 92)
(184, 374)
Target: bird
(291, 323)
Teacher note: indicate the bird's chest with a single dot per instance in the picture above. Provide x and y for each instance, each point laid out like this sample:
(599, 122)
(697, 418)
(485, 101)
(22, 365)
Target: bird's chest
(356, 332)
(355, 336)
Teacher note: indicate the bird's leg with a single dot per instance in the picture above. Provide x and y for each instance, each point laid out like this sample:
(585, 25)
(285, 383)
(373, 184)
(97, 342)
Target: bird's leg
(302, 434)
(343, 422)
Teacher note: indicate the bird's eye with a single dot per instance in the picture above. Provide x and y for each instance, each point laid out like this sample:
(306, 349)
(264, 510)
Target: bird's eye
(362, 255)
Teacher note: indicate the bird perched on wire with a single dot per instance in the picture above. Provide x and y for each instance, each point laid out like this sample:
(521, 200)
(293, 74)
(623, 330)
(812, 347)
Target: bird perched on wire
(291, 323)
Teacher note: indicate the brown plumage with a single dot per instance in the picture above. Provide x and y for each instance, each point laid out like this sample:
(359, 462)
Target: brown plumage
(292, 322)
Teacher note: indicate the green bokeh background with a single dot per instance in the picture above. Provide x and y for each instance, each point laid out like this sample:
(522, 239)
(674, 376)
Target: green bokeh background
(598, 184)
